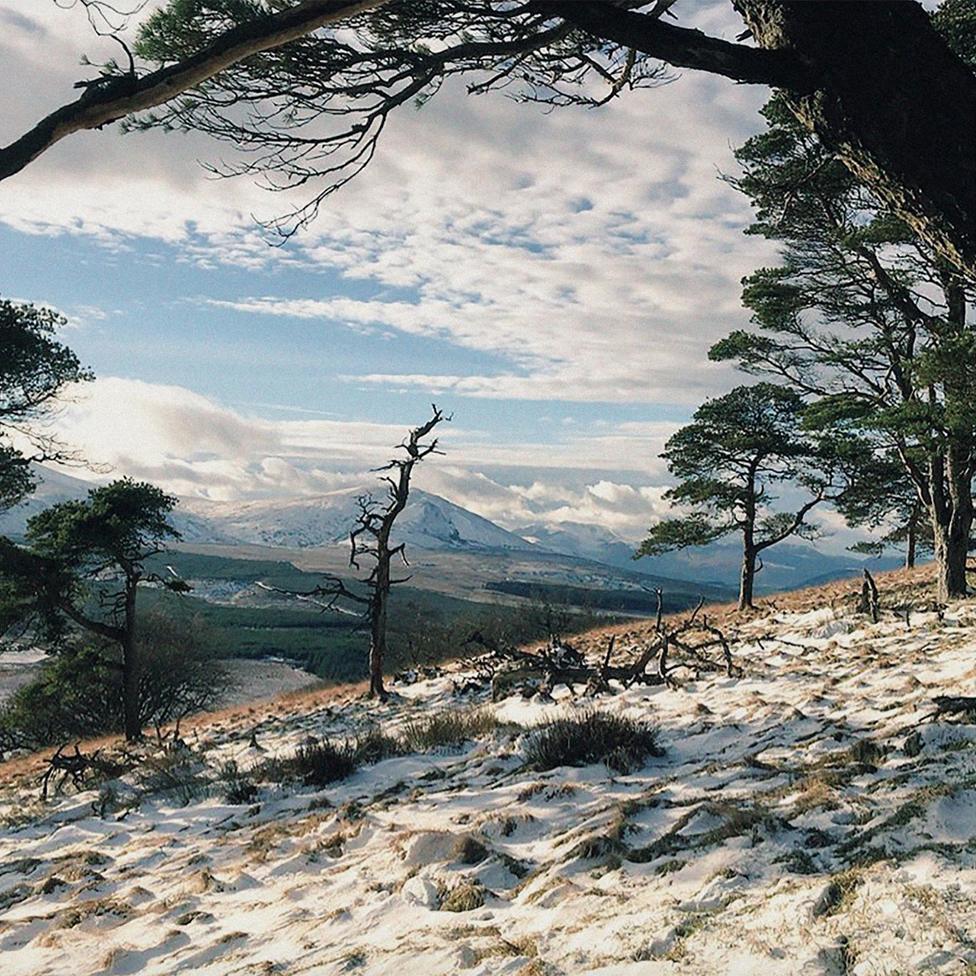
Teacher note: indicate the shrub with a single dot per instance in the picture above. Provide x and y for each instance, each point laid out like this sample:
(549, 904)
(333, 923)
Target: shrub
(174, 772)
(373, 746)
(78, 693)
(317, 764)
(238, 788)
(590, 737)
(179, 675)
(448, 728)
(470, 850)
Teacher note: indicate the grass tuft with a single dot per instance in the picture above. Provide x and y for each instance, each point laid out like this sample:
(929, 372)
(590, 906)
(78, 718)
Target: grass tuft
(374, 746)
(448, 729)
(590, 737)
(314, 764)
(465, 897)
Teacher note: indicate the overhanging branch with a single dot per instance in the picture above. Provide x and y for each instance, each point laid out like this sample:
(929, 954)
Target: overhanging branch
(109, 100)
(682, 47)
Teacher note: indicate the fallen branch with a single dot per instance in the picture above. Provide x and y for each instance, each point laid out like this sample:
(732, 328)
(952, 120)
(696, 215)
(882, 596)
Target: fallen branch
(75, 767)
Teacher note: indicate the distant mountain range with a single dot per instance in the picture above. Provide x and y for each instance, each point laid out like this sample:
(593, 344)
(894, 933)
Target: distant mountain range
(786, 566)
(434, 523)
(428, 522)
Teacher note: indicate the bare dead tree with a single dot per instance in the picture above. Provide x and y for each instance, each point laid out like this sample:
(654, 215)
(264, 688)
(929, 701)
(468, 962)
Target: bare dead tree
(75, 767)
(870, 602)
(371, 542)
(693, 636)
(371, 539)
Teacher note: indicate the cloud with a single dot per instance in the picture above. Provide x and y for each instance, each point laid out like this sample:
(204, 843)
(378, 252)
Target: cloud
(593, 255)
(195, 447)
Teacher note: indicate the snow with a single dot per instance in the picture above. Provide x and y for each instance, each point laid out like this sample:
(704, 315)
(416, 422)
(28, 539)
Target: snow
(785, 831)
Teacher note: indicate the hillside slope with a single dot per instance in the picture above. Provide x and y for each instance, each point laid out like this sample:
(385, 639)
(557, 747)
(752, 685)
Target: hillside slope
(804, 819)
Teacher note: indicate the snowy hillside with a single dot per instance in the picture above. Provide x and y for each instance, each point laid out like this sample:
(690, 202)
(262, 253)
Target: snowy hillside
(805, 818)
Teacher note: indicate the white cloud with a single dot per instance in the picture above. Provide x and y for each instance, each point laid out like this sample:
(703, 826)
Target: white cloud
(473, 204)
(193, 446)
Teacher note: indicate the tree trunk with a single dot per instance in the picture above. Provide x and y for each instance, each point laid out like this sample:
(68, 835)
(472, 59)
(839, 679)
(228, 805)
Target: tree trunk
(951, 512)
(911, 542)
(950, 564)
(377, 643)
(952, 526)
(895, 103)
(747, 578)
(130, 669)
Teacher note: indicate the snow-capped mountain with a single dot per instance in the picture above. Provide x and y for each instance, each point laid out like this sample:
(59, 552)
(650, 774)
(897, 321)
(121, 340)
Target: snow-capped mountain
(582, 540)
(434, 523)
(788, 565)
(52, 487)
(428, 522)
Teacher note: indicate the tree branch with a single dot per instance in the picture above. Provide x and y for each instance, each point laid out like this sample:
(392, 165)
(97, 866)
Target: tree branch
(95, 626)
(112, 99)
(685, 48)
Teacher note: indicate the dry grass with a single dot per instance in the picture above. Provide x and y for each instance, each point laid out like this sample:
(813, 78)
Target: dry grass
(17, 771)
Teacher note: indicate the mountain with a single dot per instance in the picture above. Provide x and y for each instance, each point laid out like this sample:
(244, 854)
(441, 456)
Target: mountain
(428, 522)
(786, 566)
(433, 523)
(584, 541)
(52, 487)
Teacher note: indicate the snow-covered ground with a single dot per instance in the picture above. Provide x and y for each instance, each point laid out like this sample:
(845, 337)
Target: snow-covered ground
(801, 821)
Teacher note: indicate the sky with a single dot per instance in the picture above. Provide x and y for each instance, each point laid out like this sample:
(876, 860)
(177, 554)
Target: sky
(552, 280)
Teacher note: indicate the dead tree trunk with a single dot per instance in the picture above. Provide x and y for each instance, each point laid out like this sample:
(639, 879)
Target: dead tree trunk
(378, 613)
(870, 601)
(371, 539)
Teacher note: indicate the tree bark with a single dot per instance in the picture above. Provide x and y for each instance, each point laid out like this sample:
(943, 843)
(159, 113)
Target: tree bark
(893, 101)
(747, 579)
(951, 513)
(951, 546)
(130, 669)
(910, 543)
(377, 643)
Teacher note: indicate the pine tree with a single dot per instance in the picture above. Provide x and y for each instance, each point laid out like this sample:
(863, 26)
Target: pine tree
(727, 461)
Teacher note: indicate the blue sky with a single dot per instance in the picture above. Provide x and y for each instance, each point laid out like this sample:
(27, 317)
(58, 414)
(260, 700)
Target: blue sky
(555, 281)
